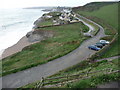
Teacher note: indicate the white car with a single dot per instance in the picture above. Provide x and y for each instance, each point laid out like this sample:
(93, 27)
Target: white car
(104, 41)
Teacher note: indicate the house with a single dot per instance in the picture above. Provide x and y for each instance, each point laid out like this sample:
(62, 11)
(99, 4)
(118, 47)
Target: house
(48, 16)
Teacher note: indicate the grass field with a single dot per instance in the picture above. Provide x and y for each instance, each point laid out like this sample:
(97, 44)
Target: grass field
(66, 38)
(107, 13)
(84, 66)
(45, 23)
(107, 16)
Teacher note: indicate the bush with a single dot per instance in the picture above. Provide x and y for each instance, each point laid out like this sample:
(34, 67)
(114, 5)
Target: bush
(108, 38)
(81, 84)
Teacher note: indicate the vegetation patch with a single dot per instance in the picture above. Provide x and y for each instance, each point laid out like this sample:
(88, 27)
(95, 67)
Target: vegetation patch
(93, 6)
(107, 13)
(94, 81)
(45, 23)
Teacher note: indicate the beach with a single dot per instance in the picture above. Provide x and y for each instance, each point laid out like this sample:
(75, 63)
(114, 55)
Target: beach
(23, 42)
(17, 23)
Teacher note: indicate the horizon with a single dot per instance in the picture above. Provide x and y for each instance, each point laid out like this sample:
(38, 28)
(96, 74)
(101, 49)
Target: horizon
(5, 4)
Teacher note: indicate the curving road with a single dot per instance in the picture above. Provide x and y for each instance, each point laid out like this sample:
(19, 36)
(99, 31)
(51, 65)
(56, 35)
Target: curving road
(36, 73)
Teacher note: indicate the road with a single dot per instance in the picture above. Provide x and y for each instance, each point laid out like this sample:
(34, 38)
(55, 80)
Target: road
(36, 73)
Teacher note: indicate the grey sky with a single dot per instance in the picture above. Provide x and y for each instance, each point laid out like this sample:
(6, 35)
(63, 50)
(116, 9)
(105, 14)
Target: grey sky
(31, 3)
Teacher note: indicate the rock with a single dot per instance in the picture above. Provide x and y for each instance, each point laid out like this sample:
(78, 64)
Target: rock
(39, 35)
(87, 34)
(41, 19)
(28, 34)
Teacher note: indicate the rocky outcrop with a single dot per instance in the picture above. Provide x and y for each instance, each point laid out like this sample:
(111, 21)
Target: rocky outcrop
(39, 35)
(41, 19)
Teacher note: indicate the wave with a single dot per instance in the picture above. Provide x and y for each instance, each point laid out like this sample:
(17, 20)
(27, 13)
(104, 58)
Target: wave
(1, 52)
(8, 25)
(14, 24)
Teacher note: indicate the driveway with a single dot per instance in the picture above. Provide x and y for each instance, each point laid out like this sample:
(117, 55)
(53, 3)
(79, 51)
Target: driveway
(36, 73)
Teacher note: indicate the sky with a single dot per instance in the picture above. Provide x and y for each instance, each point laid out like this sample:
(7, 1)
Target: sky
(35, 3)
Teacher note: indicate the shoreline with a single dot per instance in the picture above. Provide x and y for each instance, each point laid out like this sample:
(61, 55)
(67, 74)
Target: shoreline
(23, 42)
(18, 40)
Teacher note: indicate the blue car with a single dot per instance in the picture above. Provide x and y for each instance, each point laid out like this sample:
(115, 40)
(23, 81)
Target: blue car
(93, 47)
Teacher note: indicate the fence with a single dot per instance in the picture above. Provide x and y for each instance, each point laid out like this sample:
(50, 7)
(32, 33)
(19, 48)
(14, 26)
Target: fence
(71, 78)
(56, 25)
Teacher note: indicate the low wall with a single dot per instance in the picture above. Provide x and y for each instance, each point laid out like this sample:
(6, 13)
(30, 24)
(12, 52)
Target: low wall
(56, 25)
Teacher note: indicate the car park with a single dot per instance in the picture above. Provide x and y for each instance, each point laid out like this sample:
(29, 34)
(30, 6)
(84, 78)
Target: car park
(98, 45)
(93, 47)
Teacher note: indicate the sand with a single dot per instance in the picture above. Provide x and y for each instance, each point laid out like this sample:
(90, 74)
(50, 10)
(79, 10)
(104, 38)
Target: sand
(23, 42)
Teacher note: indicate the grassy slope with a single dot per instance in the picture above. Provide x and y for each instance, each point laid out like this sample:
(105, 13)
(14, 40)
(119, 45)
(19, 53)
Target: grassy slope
(66, 39)
(101, 78)
(108, 14)
(45, 23)
(83, 67)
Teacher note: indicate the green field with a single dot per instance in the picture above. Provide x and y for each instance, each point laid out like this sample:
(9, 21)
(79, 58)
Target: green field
(45, 23)
(66, 39)
(107, 13)
(107, 16)
(48, 21)
(83, 67)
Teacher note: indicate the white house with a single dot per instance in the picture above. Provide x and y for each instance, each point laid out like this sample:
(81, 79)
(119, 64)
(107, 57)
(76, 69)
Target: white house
(48, 16)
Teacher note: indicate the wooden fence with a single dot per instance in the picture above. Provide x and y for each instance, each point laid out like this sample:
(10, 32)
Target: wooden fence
(71, 78)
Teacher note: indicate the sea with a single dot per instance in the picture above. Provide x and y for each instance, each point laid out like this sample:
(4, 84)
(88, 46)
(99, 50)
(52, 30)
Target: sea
(15, 23)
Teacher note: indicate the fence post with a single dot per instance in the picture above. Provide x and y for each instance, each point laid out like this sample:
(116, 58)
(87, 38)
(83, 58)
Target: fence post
(67, 80)
(88, 71)
(67, 77)
(36, 85)
(111, 70)
(42, 83)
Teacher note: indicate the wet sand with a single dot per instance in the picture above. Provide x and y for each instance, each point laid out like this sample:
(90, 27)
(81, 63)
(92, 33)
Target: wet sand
(23, 42)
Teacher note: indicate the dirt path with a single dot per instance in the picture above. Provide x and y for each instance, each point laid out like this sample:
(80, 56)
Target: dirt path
(115, 84)
(109, 59)
(36, 73)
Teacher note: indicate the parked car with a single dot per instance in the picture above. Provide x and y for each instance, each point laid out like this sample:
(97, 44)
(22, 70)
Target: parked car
(93, 47)
(104, 41)
(99, 45)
